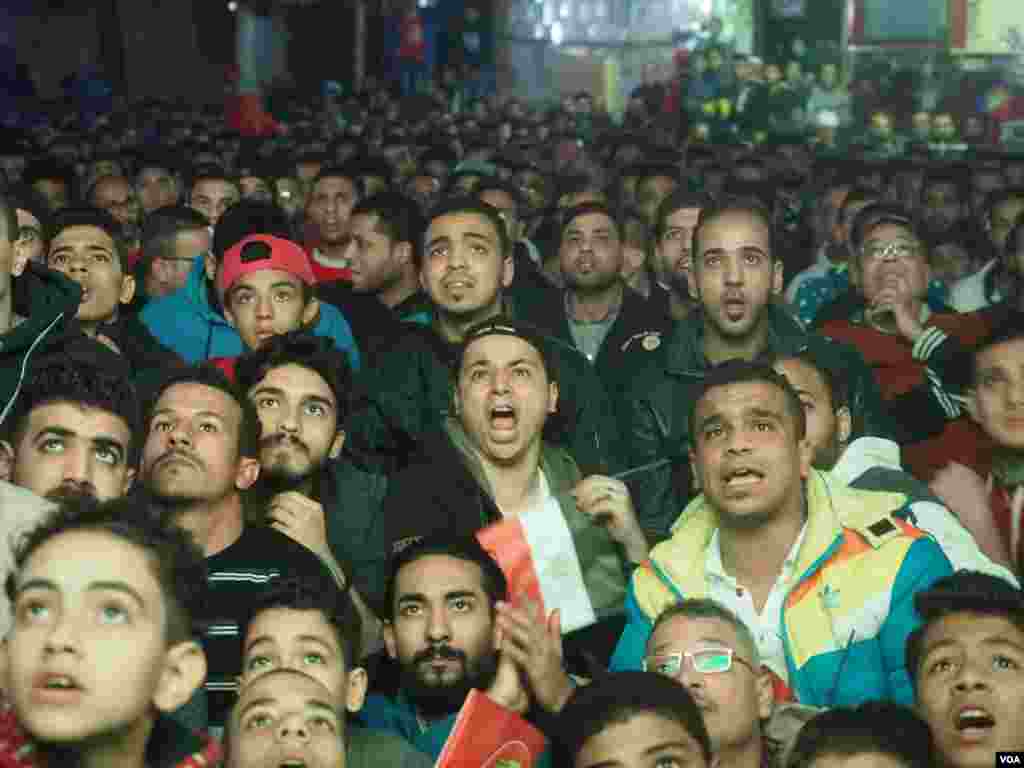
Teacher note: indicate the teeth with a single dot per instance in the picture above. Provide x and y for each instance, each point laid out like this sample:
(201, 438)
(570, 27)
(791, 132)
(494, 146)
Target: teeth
(62, 683)
(975, 718)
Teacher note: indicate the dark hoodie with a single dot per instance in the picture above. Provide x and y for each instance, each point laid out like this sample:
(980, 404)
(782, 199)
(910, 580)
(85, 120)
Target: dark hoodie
(49, 302)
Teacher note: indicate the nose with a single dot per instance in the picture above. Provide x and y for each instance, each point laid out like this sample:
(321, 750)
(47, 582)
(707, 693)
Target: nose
(438, 628)
(264, 307)
(289, 420)
(971, 676)
(688, 675)
(77, 464)
(180, 435)
(1015, 393)
(456, 258)
(733, 271)
(63, 637)
(293, 727)
(500, 381)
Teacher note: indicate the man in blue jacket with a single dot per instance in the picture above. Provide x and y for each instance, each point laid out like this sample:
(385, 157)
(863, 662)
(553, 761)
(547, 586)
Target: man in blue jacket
(824, 575)
(191, 321)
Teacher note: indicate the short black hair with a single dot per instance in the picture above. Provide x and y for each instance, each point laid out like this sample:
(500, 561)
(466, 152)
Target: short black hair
(49, 169)
(681, 197)
(835, 381)
(1009, 327)
(90, 216)
(742, 371)
(470, 204)
(949, 175)
(8, 216)
(398, 217)
(495, 184)
(178, 563)
(83, 372)
(618, 697)
(309, 593)
(466, 548)
(210, 172)
(857, 194)
(506, 326)
(962, 592)
(306, 350)
(249, 217)
(730, 204)
(882, 727)
(25, 198)
(350, 170)
(161, 229)
(584, 209)
(208, 375)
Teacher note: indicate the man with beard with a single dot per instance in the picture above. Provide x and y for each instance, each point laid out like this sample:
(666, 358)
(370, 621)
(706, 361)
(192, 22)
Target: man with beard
(599, 315)
(794, 554)
(736, 279)
(673, 248)
(307, 489)
(200, 452)
(449, 627)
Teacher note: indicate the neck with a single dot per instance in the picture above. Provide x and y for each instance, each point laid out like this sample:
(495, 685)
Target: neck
(401, 290)
(746, 755)
(514, 485)
(718, 348)
(453, 327)
(595, 306)
(754, 556)
(125, 750)
(331, 255)
(214, 526)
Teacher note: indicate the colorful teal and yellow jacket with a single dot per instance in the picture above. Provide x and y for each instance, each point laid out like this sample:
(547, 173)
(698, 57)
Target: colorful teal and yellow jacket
(846, 620)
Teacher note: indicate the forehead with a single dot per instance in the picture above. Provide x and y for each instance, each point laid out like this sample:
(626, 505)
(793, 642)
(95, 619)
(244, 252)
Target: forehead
(296, 380)
(334, 185)
(463, 223)
(439, 574)
(889, 231)
(214, 188)
(112, 186)
(682, 631)
(804, 377)
(971, 627)
(286, 689)
(153, 172)
(500, 348)
(683, 217)
(193, 397)
(85, 235)
(740, 396)
(76, 558)
(591, 221)
(283, 625)
(623, 742)
(84, 421)
(1007, 353)
(735, 229)
(262, 279)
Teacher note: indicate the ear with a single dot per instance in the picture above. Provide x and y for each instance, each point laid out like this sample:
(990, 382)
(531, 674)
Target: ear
(970, 401)
(311, 313)
(388, 631)
(777, 283)
(356, 689)
(210, 263)
(552, 397)
(765, 694)
(6, 461)
(127, 289)
(247, 473)
(20, 258)
(508, 270)
(844, 424)
(184, 671)
(129, 478)
(337, 444)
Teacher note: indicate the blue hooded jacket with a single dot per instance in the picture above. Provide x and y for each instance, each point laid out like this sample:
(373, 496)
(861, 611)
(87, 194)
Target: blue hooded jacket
(186, 322)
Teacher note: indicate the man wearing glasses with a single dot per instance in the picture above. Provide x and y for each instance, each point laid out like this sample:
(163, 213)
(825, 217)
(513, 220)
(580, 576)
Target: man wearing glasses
(172, 238)
(706, 647)
(920, 355)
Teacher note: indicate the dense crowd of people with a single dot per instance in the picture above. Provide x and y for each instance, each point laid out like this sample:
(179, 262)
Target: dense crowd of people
(685, 445)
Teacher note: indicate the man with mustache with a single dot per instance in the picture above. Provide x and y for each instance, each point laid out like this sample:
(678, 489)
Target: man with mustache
(200, 453)
(451, 629)
(673, 248)
(598, 313)
(737, 280)
(307, 488)
(824, 575)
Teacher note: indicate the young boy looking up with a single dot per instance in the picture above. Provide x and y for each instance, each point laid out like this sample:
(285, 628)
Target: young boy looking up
(102, 644)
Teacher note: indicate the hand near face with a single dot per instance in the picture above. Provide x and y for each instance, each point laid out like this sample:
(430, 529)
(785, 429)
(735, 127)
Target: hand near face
(301, 519)
(897, 299)
(535, 645)
(606, 501)
(967, 495)
(507, 689)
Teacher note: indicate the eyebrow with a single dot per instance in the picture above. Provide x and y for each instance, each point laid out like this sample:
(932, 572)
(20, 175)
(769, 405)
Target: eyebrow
(509, 364)
(89, 246)
(270, 639)
(270, 701)
(200, 414)
(94, 586)
(742, 248)
(419, 597)
(680, 745)
(706, 640)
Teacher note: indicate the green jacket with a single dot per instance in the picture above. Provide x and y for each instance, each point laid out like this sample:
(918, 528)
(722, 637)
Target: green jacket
(655, 408)
(408, 394)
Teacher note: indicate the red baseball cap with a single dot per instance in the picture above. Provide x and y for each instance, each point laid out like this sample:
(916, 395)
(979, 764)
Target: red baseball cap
(259, 252)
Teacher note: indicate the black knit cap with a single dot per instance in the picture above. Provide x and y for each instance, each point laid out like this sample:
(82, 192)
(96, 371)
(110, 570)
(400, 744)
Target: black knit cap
(505, 326)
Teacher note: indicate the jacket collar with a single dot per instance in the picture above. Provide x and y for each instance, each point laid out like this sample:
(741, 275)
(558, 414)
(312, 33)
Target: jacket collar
(862, 454)
(685, 356)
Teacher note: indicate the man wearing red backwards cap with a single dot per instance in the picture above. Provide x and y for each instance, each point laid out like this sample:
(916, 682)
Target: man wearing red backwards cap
(265, 286)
